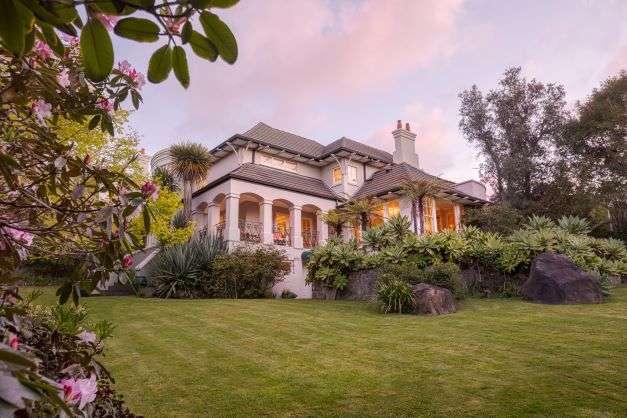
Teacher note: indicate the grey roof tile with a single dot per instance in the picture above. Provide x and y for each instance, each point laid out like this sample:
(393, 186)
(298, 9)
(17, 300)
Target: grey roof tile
(351, 145)
(285, 140)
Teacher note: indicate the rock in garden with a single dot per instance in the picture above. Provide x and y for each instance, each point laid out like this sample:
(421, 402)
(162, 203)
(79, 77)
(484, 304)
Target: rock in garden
(432, 300)
(554, 279)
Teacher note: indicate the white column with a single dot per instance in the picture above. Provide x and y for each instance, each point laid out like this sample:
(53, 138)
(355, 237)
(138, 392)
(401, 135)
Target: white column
(213, 217)
(266, 220)
(296, 227)
(386, 213)
(322, 228)
(434, 214)
(232, 217)
(458, 216)
(347, 231)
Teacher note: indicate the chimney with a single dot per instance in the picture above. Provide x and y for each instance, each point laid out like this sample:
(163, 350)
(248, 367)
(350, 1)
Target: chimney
(404, 145)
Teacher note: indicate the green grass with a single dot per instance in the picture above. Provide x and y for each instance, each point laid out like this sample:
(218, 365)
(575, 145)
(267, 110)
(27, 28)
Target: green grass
(182, 358)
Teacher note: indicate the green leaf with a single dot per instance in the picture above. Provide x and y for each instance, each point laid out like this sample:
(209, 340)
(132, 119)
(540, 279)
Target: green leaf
(52, 39)
(141, 30)
(12, 29)
(203, 47)
(97, 50)
(136, 98)
(114, 8)
(55, 13)
(179, 64)
(106, 124)
(160, 64)
(200, 4)
(220, 35)
(14, 357)
(186, 33)
(223, 4)
(146, 217)
(94, 122)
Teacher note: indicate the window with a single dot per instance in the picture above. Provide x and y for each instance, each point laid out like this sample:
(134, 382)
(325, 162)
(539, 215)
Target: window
(394, 208)
(276, 162)
(427, 210)
(336, 175)
(352, 174)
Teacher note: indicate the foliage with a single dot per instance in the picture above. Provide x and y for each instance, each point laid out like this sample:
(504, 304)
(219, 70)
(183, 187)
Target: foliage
(288, 294)
(376, 238)
(335, 219)
(574, 225)
(361, 211)
(50, 364)
(330, 264)
(246, 273)
(416, 191)
(190, 163)
(395, 296)
(23, 22)
(398, 227)
(440, 274)
(166, 179)
(178, 270)
(539, 223)
(500, 217)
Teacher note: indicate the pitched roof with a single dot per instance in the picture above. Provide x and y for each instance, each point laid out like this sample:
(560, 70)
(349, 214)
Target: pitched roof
(390, 180)
(256, 173)
(349, 144)
(286, 140)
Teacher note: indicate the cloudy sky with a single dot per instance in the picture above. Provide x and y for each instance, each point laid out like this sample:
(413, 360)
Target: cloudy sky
(325, 69)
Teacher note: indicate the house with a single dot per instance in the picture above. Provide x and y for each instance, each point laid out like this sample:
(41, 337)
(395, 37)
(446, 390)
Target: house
(273, 187)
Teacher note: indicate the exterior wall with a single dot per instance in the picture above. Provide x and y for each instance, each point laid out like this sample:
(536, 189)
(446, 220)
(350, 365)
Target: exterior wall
(473, 188)
(301, 168)
(345, 188)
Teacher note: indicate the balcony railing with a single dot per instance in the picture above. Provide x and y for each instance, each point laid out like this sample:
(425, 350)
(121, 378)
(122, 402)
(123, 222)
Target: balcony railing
(250, 231)
(310, 239)
(282, 235)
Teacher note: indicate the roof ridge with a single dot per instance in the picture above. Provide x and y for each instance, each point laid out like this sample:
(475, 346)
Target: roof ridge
(286, 132)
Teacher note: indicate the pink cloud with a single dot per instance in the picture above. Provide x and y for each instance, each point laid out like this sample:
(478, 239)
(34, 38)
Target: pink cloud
(295, 56)
(618, 62)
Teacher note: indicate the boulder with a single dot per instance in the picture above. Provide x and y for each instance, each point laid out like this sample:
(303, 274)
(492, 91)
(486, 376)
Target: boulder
(432, 300)
(554, 279)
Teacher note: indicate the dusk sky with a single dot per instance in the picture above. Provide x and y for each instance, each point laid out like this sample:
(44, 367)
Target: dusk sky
(327, 69)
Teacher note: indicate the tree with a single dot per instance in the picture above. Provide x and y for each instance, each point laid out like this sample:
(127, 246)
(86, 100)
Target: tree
(514, 128)
(335, 219)
(190, 162)
(361, 211)
(416, 191)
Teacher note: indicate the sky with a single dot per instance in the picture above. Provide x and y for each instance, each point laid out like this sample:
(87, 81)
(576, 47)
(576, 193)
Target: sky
(326, 69)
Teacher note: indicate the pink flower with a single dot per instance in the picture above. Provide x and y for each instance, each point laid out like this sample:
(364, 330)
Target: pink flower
(81, 391)
(107, 21)
(41, 110)
(87, 337)
(127, 261)
(149, 190)
(105, 104)
(22, 237)
(43, 50)
(173, 25)
(71, 391)
(136, 77)
(63, 78)
(124, 67)
(13, 341)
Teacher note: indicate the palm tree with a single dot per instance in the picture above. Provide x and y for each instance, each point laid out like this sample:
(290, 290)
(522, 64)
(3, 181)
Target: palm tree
(416, 191)
(190, 162)
(335, 219)
(361, 210)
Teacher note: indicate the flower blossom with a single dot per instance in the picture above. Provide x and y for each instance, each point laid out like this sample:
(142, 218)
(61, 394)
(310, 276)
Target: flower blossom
(106, 105)
(22, 237)
(63, 78)
(127, 261)
(81, 391)
(41, 110)
(43, 50)
(13, 341)
(136, 77)
(149, 190)
(107, 21)
(173, 25)
(87, 337)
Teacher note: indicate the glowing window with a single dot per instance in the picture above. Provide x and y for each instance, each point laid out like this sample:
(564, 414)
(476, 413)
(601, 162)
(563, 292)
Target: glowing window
(351, 172)
(427, 211)
(394, 208)
(336, 175)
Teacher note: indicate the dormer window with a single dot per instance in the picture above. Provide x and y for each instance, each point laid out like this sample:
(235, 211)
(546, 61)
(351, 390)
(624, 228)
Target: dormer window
(336, 175)
(280, 163)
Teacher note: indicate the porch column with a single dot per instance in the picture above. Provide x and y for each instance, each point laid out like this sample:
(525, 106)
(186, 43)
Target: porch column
(347, 231)
(458, 216)
(322, 228)
(296, 227)
(386, 213)
(232, 217)
(266, 220)
(434, 214)
(213, 217)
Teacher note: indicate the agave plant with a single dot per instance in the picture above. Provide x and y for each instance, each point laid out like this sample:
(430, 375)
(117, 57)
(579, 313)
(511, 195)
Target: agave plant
(398, 227)
(180, 219)
(535, 223)
(376, 238)
(574, 225)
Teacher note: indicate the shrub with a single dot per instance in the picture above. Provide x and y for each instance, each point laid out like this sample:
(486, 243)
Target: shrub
(246, 273)
(398, 227)
(376, 238)
(177, 271)
(330, 264)
(574, 225)
(445, 275)
(53, 347)
(395, 295)
(535, 223)
(499, 218)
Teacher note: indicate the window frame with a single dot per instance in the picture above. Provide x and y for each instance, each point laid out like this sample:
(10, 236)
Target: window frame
(341, 177)
(348, 174)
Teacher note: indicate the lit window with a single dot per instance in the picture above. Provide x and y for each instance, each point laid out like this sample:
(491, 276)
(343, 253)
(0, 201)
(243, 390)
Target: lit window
(352, 174)
(427, 210)
(394, 209)
(336, 174)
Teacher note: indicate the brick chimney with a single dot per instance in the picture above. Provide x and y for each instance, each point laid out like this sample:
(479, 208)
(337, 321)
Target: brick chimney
(404, 145)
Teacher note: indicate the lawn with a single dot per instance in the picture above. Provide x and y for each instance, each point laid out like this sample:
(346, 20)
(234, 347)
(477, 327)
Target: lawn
(496, 357)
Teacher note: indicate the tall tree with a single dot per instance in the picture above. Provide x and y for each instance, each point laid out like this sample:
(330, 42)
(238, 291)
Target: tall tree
(416, 191)
(514, 127)
(190, 162)
(362, 210)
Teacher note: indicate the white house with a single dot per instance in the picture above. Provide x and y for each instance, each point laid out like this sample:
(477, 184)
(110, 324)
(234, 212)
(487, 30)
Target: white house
(272, 187)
